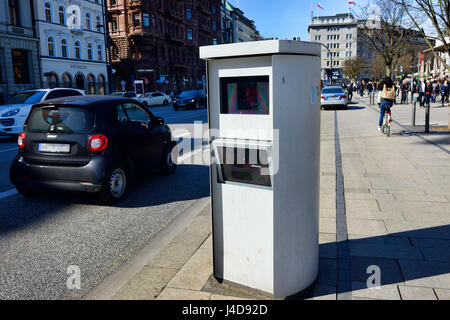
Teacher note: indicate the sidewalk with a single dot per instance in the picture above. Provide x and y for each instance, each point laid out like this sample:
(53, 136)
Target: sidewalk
(387, 201)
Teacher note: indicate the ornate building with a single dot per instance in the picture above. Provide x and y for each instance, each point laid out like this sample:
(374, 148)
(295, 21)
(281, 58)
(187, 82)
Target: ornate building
(19, 64)
(157, 41)
(72, 44)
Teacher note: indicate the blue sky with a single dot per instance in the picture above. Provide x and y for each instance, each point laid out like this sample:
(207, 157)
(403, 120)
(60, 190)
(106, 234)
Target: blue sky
(288, 18)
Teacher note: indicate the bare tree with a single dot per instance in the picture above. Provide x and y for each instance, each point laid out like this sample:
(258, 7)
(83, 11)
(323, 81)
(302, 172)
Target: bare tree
(437, 13)
(352, 67)
(382, 28)
(378, 69)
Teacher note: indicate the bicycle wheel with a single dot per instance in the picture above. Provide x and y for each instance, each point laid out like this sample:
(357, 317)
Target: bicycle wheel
(388, 129)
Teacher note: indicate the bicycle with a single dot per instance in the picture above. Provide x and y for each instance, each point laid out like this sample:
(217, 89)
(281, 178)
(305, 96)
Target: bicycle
(386, 126)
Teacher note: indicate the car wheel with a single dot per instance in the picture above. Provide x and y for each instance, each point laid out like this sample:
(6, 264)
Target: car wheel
(176, 108)
(166, 103)
(168, 161)
(114, 185)
(28, 193)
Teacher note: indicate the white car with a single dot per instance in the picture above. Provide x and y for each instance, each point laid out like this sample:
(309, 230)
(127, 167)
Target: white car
(333, 96)
(155, 99)
(14, 112)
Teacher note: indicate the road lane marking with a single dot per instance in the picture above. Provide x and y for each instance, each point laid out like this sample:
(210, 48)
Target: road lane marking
(6, 150)
(8, 193)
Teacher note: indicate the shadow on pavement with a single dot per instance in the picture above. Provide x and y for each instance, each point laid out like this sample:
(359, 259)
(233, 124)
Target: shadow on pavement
(355, 107)
(189, 182)
(411, 256)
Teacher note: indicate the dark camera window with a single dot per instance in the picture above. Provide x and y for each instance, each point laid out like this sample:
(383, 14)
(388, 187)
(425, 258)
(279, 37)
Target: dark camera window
(244, 165)
(245, 95)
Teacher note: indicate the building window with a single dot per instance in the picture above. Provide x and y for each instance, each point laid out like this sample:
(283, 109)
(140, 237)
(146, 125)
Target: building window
(77, 50)
(88, 21)
(20, 66)
(213, 9)
(214, 41)
(214, 25)
(14, 16)
(136, 19)
(91, 84)
(64, 48)
(189, 14)
(48, 12)
(145, 20)
(89, 51)
(113, 2)
(98, 24)
(100, 52)
(114, 24)
(62, 15)
(51, 46)
(189, 34)
(115, 53)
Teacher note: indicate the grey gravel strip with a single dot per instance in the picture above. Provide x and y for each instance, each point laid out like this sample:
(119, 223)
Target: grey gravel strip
(344, 287)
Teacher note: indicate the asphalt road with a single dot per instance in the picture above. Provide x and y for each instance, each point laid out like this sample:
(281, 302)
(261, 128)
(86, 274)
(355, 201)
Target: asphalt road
(40, 238)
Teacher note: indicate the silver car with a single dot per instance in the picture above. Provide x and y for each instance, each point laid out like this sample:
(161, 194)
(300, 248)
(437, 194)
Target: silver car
(333, 96)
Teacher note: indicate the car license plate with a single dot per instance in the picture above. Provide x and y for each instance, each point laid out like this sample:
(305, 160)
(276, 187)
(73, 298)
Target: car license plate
(54, 148)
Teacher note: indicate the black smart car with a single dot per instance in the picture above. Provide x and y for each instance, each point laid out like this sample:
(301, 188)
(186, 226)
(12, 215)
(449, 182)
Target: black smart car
(192, 99)
(91, 144)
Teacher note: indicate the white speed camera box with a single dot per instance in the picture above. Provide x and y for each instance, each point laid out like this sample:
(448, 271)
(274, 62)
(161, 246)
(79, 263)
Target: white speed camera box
(264, 118)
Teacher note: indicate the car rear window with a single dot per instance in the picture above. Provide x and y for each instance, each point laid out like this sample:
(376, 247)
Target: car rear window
(333, 90)
(60, 119)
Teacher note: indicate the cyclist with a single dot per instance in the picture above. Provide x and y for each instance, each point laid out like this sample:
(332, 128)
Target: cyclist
(386, 97)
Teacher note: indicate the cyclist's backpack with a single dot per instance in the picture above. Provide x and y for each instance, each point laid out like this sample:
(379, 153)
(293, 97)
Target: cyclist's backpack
(388, 94)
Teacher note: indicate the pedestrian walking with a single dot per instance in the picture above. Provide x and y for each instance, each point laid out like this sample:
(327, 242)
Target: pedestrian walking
(445, 91)
(428, 93)
(413, 88)
(422, 87)
(404, 90)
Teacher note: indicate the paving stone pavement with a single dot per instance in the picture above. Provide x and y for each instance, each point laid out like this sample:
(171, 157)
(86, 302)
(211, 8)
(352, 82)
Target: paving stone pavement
(397, 208)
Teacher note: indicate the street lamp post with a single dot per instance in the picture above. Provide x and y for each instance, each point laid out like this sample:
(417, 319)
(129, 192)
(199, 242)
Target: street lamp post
(331, 57)
(107, 45)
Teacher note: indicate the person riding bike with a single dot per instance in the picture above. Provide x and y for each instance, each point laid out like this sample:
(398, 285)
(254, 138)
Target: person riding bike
(386, 97)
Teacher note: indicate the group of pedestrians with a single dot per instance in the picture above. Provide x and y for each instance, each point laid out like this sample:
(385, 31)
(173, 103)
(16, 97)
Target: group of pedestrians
(429, 90)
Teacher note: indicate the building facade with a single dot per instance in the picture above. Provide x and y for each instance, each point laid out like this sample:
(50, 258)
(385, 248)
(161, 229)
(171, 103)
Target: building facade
(235, 26)
(19, 63)
(157, 41)
(343, 37)
(72, 44)
(339, 35)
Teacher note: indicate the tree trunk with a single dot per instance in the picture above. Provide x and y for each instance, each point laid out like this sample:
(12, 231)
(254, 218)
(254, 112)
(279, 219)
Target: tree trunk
(388, 70)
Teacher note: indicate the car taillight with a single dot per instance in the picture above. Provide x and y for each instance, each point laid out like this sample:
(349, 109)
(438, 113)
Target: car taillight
(344, 96)
(97, 143)
(322, 97)
(21, 140)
